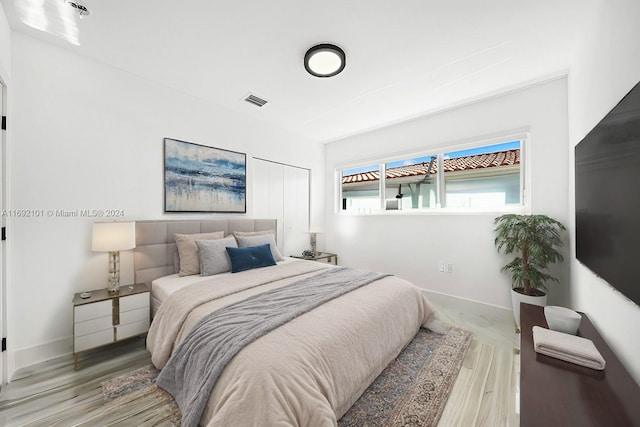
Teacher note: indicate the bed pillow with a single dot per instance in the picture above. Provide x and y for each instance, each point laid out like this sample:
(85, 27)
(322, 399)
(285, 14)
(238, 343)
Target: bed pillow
(250, 257)
(245, 240)
(188, 251)
(213, 255)
(254, 233)
(176, 262)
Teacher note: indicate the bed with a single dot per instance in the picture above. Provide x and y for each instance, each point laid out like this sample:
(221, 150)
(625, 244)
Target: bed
(306, 371)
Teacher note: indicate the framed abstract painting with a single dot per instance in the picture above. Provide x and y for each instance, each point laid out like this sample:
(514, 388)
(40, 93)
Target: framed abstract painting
(199, 178)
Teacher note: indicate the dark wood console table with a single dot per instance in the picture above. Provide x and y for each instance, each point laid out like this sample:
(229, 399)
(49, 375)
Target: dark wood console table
(558, 393)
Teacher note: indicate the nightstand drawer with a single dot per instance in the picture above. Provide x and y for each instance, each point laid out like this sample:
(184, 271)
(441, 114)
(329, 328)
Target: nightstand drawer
(92, 311)
(93, 325)
(93, 340)
(134, 301)
(132, 329)
(133, 316)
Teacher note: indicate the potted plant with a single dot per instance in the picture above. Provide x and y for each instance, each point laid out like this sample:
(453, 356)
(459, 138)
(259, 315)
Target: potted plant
(536, 241)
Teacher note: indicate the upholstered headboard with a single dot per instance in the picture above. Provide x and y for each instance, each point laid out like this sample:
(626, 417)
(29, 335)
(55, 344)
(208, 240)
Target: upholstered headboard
(156, 247)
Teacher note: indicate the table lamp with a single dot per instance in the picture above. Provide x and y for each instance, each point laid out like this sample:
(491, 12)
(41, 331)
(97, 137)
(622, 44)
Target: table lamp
(313, 240)
(113, 237)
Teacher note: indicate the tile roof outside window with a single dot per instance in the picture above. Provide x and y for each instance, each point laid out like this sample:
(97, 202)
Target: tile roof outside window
(466, 163)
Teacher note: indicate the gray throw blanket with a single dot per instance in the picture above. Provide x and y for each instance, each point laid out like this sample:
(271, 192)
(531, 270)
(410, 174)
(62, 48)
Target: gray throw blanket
(193, 369)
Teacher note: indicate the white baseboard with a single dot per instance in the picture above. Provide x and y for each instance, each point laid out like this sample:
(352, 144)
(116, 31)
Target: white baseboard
(20, 359)
(494, 312)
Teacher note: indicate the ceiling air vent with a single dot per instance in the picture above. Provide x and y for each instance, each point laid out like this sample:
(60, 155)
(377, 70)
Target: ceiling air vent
(78, 7)
(252, 99)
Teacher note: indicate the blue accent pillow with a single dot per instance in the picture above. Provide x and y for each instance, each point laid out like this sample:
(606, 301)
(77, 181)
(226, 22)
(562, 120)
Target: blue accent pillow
(250, 257)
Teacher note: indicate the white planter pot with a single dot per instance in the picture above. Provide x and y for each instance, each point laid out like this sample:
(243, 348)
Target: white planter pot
(517, 298)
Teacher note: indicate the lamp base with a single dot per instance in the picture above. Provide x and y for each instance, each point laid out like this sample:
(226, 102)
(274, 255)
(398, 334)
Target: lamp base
(114, 273)
(312, 241)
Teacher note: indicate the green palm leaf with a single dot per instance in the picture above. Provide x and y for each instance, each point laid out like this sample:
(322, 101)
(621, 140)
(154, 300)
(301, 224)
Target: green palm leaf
(536, 239)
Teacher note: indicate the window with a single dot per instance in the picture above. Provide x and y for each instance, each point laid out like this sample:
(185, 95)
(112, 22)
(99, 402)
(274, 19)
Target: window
(361, 189)
(411, 184)
(475, 178)
(483, 177)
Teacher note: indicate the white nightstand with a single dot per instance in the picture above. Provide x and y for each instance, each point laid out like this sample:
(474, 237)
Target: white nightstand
(105, 318)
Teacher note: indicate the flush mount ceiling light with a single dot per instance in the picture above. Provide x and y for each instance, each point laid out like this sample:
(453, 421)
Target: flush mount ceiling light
(324, 60)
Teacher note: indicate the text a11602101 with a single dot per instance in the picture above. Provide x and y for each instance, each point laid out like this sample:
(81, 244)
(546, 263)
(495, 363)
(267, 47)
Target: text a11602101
(63, 213)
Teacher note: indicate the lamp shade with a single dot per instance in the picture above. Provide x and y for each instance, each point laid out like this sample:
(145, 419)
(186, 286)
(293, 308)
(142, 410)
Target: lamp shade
(113, 236)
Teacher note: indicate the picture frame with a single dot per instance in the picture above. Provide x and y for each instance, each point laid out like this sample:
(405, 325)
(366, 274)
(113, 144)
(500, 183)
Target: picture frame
(200, 178)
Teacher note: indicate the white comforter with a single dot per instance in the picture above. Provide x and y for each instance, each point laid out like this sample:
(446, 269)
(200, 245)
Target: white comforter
(309, 371)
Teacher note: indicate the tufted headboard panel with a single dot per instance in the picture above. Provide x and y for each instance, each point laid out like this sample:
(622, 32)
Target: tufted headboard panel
(156, 247)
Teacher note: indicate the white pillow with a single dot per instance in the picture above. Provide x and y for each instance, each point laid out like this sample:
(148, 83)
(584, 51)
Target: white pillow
(245, 241)
(214, 258)
(188, 251)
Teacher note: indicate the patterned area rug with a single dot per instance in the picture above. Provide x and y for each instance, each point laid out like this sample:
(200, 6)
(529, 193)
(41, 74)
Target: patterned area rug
(134, 390)
(411, 391)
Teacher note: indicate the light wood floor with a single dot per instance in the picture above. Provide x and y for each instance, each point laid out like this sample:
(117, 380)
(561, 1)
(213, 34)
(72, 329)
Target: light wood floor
(54, 394)
(486, 392)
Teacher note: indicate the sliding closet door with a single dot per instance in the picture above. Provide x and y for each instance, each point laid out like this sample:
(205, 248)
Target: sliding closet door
(282, 191)
(296, 210)
(268, 193)
(260, 173)
(275, 200)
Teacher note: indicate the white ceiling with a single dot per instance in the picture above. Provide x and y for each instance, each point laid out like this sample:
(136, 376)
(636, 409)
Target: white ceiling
(403, 58)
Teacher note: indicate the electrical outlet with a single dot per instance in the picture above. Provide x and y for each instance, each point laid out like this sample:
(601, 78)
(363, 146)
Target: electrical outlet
(449, 268)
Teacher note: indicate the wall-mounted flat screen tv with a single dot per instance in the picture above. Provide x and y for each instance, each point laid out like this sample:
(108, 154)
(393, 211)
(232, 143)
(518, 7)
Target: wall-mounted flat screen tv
(608, 197)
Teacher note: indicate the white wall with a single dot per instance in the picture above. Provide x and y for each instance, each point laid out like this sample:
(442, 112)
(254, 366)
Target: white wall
(410, 246)
(603, 70)
(5, 58)
(88, 136)
(5, 45)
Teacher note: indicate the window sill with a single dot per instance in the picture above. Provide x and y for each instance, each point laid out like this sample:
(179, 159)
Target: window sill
(443, 211)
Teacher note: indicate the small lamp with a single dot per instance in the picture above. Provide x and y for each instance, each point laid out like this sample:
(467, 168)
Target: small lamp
(113, 237)
(312, 240)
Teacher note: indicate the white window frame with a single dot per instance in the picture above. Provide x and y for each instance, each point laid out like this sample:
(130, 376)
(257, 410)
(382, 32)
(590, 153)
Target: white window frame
(525, 179)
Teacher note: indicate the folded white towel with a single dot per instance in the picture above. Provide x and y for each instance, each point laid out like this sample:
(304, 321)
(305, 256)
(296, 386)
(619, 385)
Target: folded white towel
(569, 348)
